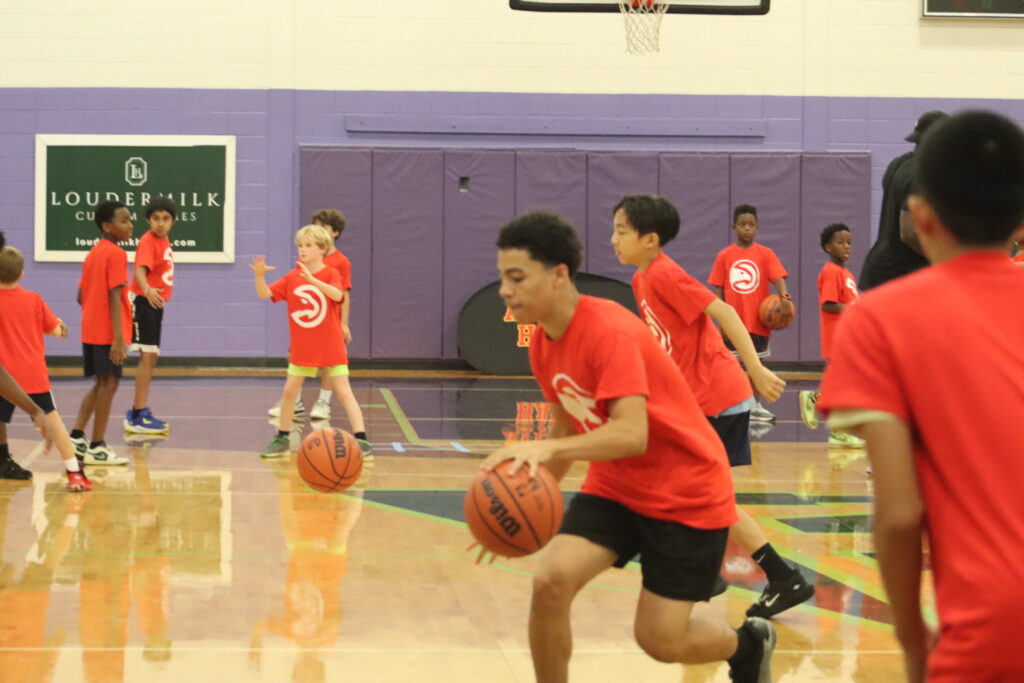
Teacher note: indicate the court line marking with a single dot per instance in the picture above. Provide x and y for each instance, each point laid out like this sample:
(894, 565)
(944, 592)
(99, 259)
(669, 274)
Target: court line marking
(36, 452)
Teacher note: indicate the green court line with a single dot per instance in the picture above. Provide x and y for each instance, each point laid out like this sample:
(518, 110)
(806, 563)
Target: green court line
(400, 417)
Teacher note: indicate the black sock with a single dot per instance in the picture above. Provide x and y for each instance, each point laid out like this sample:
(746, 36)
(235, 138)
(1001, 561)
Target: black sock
(360, 435)
(97, 444)
(281, 432)
(773, 565)
(77, 434)
(4, 453)
(745, 648)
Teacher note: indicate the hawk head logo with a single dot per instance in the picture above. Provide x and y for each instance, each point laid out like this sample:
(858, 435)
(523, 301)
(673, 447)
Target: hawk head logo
(579, 403)
(744, 276)
(317, 306)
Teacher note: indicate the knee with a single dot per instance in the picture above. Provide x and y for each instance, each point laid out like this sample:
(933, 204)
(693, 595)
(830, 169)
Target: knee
(553, 588)
(667, 648)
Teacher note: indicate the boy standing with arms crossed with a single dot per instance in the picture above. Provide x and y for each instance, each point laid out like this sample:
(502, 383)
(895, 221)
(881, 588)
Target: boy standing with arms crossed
(748, 269)
(106, 329)
(151, 289)
(658, 480)
(900, 377)
(681, 313)
(313, 292)
(24, 320)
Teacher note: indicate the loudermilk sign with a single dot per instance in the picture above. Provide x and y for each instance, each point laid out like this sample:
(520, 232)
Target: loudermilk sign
(75, 173)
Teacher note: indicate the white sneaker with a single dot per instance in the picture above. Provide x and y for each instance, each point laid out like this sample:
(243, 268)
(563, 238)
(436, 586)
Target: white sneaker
(761, 414)
(321, 410)
(299, 409)
(103, 455)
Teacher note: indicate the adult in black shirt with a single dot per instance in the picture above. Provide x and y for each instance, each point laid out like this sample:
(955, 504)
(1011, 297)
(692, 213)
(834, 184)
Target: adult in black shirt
(895, 252)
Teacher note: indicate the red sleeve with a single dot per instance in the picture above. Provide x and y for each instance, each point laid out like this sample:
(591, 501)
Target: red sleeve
(539, 374)
(832, 284)
(279, 290)
(346, 272)
(117, 269)
(717, 276)
(775, 269)
(863, 373)
(146, 255)
(46, 316)
(687, 297)
(619, 366)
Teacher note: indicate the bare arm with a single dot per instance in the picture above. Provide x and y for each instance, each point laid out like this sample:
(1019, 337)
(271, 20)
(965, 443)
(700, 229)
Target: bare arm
(624, 435)
(332, 292)
(117, 350)
(60, 330)
(780, 285)
(10, 390)
(767, 382)
(898, 527)
(152, 294)
(908, 233)
(346, 306)
(562, 427)
(260, 268)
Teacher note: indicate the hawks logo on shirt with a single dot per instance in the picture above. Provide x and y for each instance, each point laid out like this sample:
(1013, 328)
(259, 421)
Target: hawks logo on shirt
(744, 276)
(578, 402)
(168, 276)
(852, 286)
(317, 306)
(660, 333)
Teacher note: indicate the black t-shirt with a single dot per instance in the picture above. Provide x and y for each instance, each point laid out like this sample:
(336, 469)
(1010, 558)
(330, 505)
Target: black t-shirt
(889, 257)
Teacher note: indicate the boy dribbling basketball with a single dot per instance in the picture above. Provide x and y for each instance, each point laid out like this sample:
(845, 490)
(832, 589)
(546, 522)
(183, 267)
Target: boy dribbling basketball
(658, 481)
(900, 378)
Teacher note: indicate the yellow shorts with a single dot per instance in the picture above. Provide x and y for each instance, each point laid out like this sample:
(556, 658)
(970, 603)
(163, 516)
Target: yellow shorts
(307, 371)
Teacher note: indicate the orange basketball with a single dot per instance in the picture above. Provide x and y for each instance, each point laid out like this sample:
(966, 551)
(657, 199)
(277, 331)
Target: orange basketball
(513, 516)
(330, 460)
(776, 313)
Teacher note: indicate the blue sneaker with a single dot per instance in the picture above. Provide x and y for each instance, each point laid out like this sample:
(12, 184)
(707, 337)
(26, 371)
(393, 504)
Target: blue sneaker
(143, 423)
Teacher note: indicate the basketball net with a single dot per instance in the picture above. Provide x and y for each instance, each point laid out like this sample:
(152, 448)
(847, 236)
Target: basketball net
(643, 22)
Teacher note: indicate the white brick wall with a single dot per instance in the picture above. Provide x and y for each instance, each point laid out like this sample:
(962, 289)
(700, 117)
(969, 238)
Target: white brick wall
(803, 47)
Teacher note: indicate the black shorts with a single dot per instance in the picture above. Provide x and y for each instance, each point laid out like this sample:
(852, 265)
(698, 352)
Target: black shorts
(678, 562)
(147, 323)
(43, 400)
(760, 345)
(734, 431)
(97, 363)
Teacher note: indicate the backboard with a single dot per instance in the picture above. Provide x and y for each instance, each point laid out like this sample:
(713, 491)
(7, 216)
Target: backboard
(676, 7)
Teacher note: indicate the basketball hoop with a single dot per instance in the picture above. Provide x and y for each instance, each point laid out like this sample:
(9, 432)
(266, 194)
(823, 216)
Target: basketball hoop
(643, 21)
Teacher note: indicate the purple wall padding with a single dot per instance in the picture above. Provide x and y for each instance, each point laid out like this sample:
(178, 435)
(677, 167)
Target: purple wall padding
(552, 180)
(611, 175)
(408, 264)
(472, 217)
(698, 184)
(341, 179)
(834, 189)
(771, 182)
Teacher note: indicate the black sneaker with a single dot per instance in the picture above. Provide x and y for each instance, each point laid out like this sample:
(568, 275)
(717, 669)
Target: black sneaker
(758, 667)
(779, 596)
(12, 470)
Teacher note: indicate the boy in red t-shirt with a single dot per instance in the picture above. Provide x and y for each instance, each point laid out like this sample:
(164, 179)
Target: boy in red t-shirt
(837, 289)
(681, 312)
(658, 480)
(334, 221)
(901, 376)
(151, 289)
(748, 269)
(106, 329)
(314, 292)
(24, 320)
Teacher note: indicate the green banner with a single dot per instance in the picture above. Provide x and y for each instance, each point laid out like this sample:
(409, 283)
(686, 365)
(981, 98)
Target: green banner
(75, 173)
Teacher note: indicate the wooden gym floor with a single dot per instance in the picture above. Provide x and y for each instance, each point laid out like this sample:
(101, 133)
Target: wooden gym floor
(202, 562)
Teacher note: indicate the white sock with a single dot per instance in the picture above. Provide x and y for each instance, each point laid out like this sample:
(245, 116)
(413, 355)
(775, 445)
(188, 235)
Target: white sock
(71, 465)
(325, 395)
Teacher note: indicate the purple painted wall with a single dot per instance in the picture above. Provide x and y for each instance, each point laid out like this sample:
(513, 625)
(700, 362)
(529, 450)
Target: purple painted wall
(215, 312)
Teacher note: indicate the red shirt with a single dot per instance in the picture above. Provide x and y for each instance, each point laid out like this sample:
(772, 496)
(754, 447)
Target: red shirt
(959, 384)
(838, 285)
(673, 302)
(607, 353)
(746, 275)
(340, 263)
(155, 254)
(105, 267)
(24, 319)
(314, 320)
